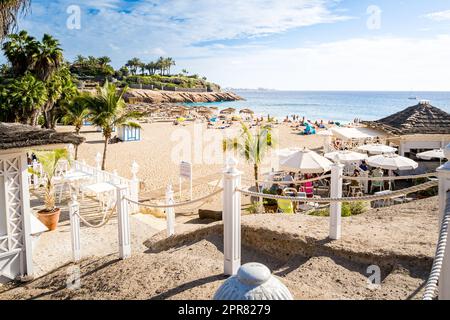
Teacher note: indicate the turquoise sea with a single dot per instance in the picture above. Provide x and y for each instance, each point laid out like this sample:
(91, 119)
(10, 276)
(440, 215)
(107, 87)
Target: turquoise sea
(337, 106)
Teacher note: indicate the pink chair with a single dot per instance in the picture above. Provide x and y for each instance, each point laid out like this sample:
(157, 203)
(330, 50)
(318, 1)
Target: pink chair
(308, 188)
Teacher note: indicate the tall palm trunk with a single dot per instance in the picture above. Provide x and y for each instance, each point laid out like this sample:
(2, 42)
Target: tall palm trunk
(104, 153)
(256, 171)
(77, 132)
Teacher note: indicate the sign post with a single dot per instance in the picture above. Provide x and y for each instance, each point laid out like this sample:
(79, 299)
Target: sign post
(186, 173)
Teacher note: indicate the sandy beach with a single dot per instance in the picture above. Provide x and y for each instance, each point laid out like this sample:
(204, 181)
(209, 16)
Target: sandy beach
(399, 240)
(159, 141)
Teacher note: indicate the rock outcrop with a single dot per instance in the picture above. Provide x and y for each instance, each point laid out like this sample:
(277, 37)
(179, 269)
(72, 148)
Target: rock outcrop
(157, 97)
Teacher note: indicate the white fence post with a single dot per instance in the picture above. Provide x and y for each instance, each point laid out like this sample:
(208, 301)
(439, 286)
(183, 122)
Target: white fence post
(123, 223)
(337, 170)
(74, 209)
(444, 186)
(170, 212)
(134, 187)
(231, 218)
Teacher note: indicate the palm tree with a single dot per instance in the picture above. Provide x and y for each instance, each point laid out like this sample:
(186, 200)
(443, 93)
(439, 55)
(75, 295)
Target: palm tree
(252, 146)
(80, 60)
(9, 12)
(170, 63)
(26, 96)
(75, 113)
(21, 50)
(104, 61)
(49, 59)
(133, 65)
(107, 110)
(161, 65)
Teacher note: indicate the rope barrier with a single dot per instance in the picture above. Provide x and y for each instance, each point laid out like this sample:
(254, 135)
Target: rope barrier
(105, 219)
(433, 279)
(426, 175)
(175, 205)
(424, 186)
(290, 182)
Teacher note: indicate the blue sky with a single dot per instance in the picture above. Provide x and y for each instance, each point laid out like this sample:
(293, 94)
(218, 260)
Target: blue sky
(279, 44)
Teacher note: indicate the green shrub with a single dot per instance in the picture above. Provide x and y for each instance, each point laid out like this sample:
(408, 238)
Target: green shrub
(346, 210)
(270, 202)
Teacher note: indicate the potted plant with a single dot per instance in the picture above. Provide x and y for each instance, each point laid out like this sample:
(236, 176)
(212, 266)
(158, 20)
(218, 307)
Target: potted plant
(49, 216)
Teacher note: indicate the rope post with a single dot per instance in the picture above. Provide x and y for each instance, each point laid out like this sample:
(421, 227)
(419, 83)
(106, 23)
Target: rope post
(134, 187)
(444, 186)
(170, 212)
(231, 218)
(337, 170)
(74, 209)
(123, 223)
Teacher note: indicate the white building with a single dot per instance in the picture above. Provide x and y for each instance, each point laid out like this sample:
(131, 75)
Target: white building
(15, 213)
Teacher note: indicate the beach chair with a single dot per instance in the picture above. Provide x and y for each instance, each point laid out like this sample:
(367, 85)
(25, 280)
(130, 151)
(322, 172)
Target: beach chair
(285, 206)
(377, 184)
(308, 189)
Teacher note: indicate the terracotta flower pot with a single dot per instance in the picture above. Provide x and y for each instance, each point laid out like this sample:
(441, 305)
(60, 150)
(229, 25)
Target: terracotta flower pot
(50, 219)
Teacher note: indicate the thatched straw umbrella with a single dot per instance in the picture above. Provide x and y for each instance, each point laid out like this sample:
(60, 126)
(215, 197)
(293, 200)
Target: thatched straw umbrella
(228, 111)
(246, 111)
(419, 119)
(178, 110)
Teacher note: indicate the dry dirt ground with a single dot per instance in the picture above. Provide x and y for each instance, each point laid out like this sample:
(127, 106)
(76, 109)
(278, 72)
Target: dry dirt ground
(400, 240)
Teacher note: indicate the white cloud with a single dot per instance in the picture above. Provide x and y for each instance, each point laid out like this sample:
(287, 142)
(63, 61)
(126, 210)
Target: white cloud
(439, 16)
(356, 64)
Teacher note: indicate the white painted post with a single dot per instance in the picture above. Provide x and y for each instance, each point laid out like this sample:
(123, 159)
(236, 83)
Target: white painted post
(26, 257)
(365, 175)
(337, 170)
(35, 176)
(444, 187)
(98, 161)
(123, 223)
(74, 209)
(231, 218)
(170, 212)
(134, 187)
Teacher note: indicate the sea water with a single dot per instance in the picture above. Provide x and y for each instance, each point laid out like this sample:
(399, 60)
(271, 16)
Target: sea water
(337, 106)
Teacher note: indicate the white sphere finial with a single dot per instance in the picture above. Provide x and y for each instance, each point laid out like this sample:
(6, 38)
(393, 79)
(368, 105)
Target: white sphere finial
(254, 281)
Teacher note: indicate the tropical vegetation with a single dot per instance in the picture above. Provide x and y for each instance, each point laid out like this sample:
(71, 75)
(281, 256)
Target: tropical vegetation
(36, 82)
(10, 10)
(251, 145)
(107, 111)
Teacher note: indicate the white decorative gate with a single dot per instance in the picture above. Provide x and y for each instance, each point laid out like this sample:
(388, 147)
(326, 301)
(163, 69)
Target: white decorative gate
(14, 222)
